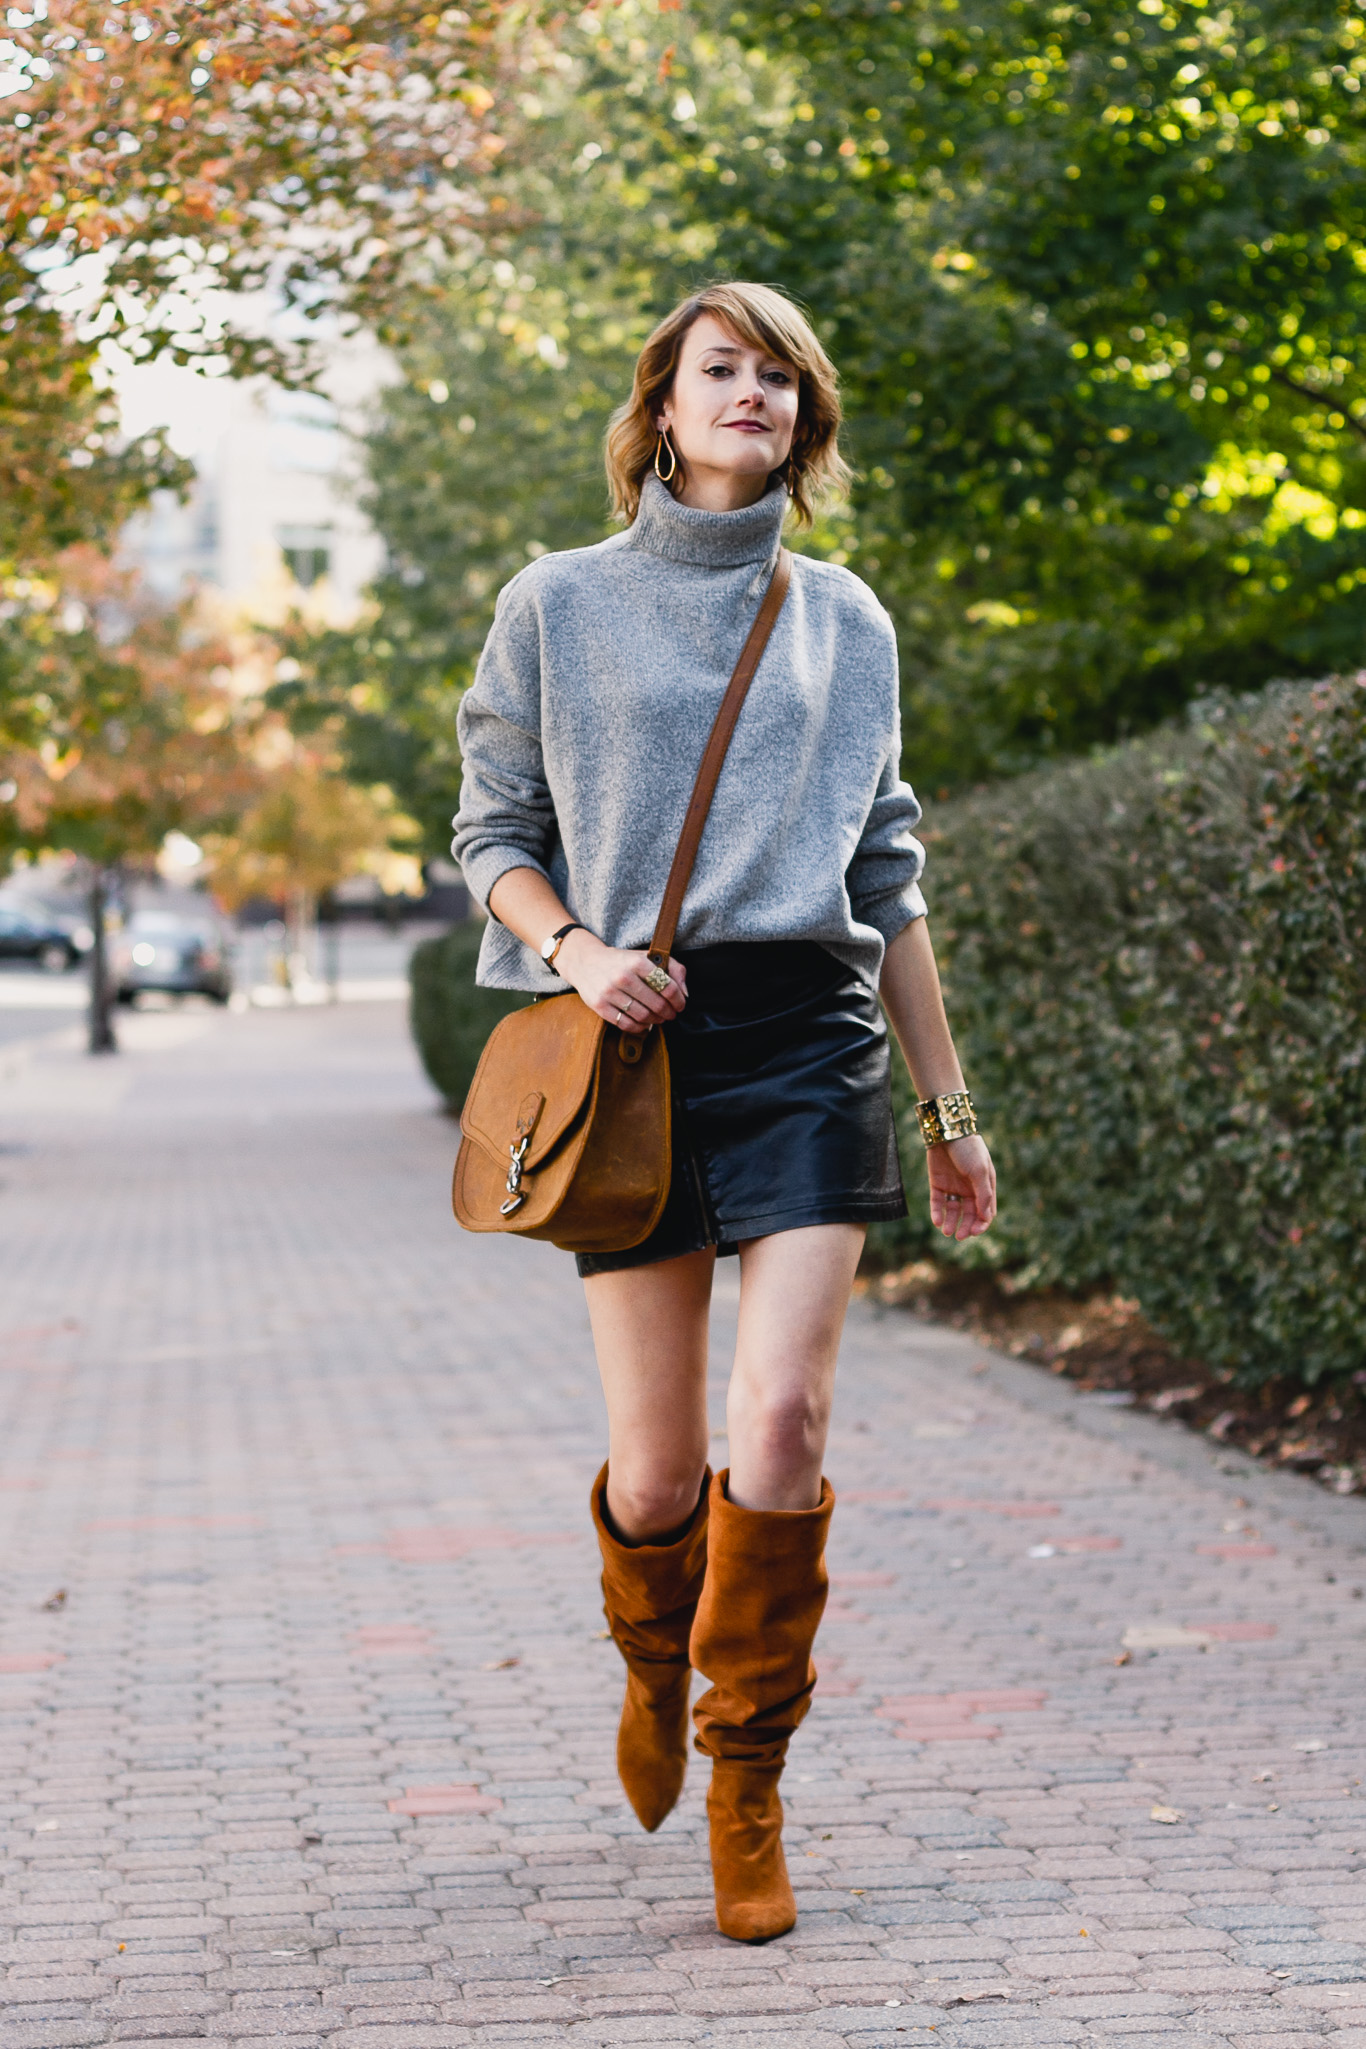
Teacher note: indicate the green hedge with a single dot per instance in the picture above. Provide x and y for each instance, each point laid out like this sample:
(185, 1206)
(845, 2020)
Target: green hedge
(450, 1017)
(1155, 965)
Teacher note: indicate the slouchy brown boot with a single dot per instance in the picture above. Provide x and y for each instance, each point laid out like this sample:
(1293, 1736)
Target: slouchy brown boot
(756, 1623)
(650, 1594)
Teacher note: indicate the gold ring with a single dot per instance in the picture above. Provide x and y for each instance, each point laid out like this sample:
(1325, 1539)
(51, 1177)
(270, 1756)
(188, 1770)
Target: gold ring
(655, 978)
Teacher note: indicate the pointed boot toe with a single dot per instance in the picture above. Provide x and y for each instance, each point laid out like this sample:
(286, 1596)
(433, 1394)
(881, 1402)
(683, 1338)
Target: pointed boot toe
(650, 1594)
(756, 1622)
(754, 1900)
(652, 1742)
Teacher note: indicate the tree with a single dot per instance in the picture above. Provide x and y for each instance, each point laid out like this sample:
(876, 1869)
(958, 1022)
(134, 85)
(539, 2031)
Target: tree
(191, 158)
(132, 732)
(1095, 278)
(1098, 343)
(488, 449)
(488, 453)
(166, 172)
(307, 830)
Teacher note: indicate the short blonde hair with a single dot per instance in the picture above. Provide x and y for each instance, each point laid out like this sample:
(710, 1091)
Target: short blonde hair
(767, 320)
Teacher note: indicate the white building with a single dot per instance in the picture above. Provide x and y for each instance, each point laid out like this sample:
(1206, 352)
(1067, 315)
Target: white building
(272, 519)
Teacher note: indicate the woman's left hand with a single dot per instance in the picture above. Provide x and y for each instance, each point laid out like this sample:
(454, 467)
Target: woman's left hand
(962, 1187)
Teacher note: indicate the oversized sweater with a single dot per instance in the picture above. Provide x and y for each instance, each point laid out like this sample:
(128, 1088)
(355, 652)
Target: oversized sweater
(583, 729)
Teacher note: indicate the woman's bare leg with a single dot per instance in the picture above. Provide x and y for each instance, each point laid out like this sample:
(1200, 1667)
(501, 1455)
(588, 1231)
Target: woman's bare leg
(764, 1592)
(794, 1292)
(650, 1333)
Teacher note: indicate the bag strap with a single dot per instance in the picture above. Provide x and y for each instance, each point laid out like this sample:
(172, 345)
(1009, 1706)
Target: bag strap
(708, 775)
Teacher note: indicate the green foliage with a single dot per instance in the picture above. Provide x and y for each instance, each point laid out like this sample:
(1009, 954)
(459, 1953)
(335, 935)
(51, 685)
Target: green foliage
(1095, 282)
(488, 451)
(487, 454)
(69, 475)
(450, 1017)
(115, 725)
(1156, 966)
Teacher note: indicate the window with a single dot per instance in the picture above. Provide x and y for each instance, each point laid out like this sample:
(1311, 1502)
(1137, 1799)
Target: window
(307, 551)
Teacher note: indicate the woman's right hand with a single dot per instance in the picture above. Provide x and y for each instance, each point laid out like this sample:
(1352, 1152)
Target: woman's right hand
(611, 981)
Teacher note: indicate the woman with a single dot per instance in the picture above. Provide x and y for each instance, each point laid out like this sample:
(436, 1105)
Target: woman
(581, 736)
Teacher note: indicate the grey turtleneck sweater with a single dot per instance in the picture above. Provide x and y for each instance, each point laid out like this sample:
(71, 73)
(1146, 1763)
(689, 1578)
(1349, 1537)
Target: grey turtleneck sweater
(585, 723)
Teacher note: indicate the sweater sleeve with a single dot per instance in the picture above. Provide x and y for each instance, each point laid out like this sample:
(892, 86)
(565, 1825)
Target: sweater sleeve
(883, 878)
(506, 817)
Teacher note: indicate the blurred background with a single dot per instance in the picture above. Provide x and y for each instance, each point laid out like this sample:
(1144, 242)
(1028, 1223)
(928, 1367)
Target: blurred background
(311, 331)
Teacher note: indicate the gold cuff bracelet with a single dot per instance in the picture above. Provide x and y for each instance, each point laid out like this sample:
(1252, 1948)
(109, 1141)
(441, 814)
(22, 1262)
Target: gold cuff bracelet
(943, 1118)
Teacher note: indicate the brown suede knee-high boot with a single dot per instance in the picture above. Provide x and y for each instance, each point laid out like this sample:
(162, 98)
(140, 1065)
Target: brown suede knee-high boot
(650, 1594)
(756, 1623)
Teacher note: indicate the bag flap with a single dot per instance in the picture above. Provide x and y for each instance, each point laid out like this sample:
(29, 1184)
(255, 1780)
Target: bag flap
(533, 1078)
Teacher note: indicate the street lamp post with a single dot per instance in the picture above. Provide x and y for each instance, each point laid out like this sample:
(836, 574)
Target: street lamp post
(102, 1038)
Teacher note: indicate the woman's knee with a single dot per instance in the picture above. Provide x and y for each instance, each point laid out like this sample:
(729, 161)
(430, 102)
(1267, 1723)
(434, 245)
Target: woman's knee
(644, 1502)
(786, 1425)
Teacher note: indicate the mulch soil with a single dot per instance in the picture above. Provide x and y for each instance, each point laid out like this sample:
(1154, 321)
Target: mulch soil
(1103, 1344)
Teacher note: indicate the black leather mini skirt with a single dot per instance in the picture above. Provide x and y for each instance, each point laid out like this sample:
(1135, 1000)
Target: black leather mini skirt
(782, 1103)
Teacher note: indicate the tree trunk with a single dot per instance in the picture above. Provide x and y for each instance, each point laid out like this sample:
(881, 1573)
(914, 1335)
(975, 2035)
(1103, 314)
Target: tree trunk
(102, 1039)
(329, 922)
(299, 917)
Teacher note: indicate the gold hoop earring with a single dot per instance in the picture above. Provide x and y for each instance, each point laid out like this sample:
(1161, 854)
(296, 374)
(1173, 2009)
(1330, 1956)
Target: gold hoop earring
(660, 446)
(791, 476)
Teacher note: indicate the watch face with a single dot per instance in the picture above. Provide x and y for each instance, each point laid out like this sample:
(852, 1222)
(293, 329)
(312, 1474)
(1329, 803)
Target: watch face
(548, 947)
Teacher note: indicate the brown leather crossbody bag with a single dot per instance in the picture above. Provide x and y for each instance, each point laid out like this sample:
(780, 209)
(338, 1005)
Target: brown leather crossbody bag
(565, 1133)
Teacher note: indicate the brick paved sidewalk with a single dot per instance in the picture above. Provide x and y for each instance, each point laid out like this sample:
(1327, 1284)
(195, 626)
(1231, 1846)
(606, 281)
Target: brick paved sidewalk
(316, 1745)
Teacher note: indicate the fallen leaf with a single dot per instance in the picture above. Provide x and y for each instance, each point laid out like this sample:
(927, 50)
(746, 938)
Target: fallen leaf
(971, 1998)
(1312, 1743)
(1125, 1658)
(55, 1601)
(1171, 1396)
(1273, 1806)
(1166, 1814)
(1163, 1636)
(500, 1665)
(599, 1636)
(1260, 1778)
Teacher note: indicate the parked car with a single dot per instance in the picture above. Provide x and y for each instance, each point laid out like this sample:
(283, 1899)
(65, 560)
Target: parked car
(173, 954)
(35, 936)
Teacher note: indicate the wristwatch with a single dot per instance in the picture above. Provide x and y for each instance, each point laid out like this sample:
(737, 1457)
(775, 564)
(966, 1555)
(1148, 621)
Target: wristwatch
(556, 941)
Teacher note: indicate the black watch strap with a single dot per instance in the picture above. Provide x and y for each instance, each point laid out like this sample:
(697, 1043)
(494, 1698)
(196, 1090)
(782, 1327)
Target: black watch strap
(557, 938)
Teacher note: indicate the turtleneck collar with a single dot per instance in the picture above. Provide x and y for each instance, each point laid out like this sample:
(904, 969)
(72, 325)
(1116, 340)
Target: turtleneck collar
(714, 540)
